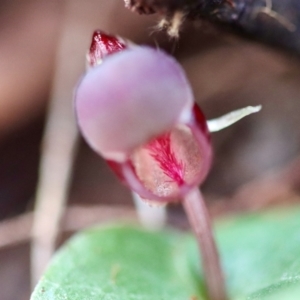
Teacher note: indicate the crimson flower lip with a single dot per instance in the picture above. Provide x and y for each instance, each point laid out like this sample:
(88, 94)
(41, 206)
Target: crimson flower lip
(167, 167)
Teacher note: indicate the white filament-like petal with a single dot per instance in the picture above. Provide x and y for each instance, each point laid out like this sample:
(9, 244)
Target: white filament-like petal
(152, 217)
(231, 118)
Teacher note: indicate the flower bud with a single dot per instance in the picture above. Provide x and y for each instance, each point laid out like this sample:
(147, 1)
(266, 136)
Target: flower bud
(136, 109)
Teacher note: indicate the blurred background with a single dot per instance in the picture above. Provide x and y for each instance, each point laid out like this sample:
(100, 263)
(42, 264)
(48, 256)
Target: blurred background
(42, 56)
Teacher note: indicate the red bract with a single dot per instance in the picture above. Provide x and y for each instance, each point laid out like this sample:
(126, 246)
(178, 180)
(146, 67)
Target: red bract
(137, 111)
(102, 45)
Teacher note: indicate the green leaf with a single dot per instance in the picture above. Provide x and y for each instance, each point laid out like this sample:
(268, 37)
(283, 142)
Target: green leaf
(116, 263)
(260, 254)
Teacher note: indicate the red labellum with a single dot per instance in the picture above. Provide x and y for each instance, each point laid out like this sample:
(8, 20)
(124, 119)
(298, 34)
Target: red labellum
(167, 167)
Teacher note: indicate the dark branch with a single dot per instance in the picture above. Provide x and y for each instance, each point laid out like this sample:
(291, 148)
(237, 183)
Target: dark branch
(276, 22)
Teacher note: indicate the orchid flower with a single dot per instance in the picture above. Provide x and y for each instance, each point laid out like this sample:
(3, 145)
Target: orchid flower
(135, 107)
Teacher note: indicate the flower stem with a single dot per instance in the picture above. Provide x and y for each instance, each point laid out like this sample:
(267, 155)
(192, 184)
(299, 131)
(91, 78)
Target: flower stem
(199, 219)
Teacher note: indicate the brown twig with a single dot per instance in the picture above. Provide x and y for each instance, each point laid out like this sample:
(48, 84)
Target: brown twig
(15, 230)
(18, 230)
(274, 22)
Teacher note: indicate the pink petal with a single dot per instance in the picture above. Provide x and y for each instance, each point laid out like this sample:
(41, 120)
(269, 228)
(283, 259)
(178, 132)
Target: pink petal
(133, 96)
